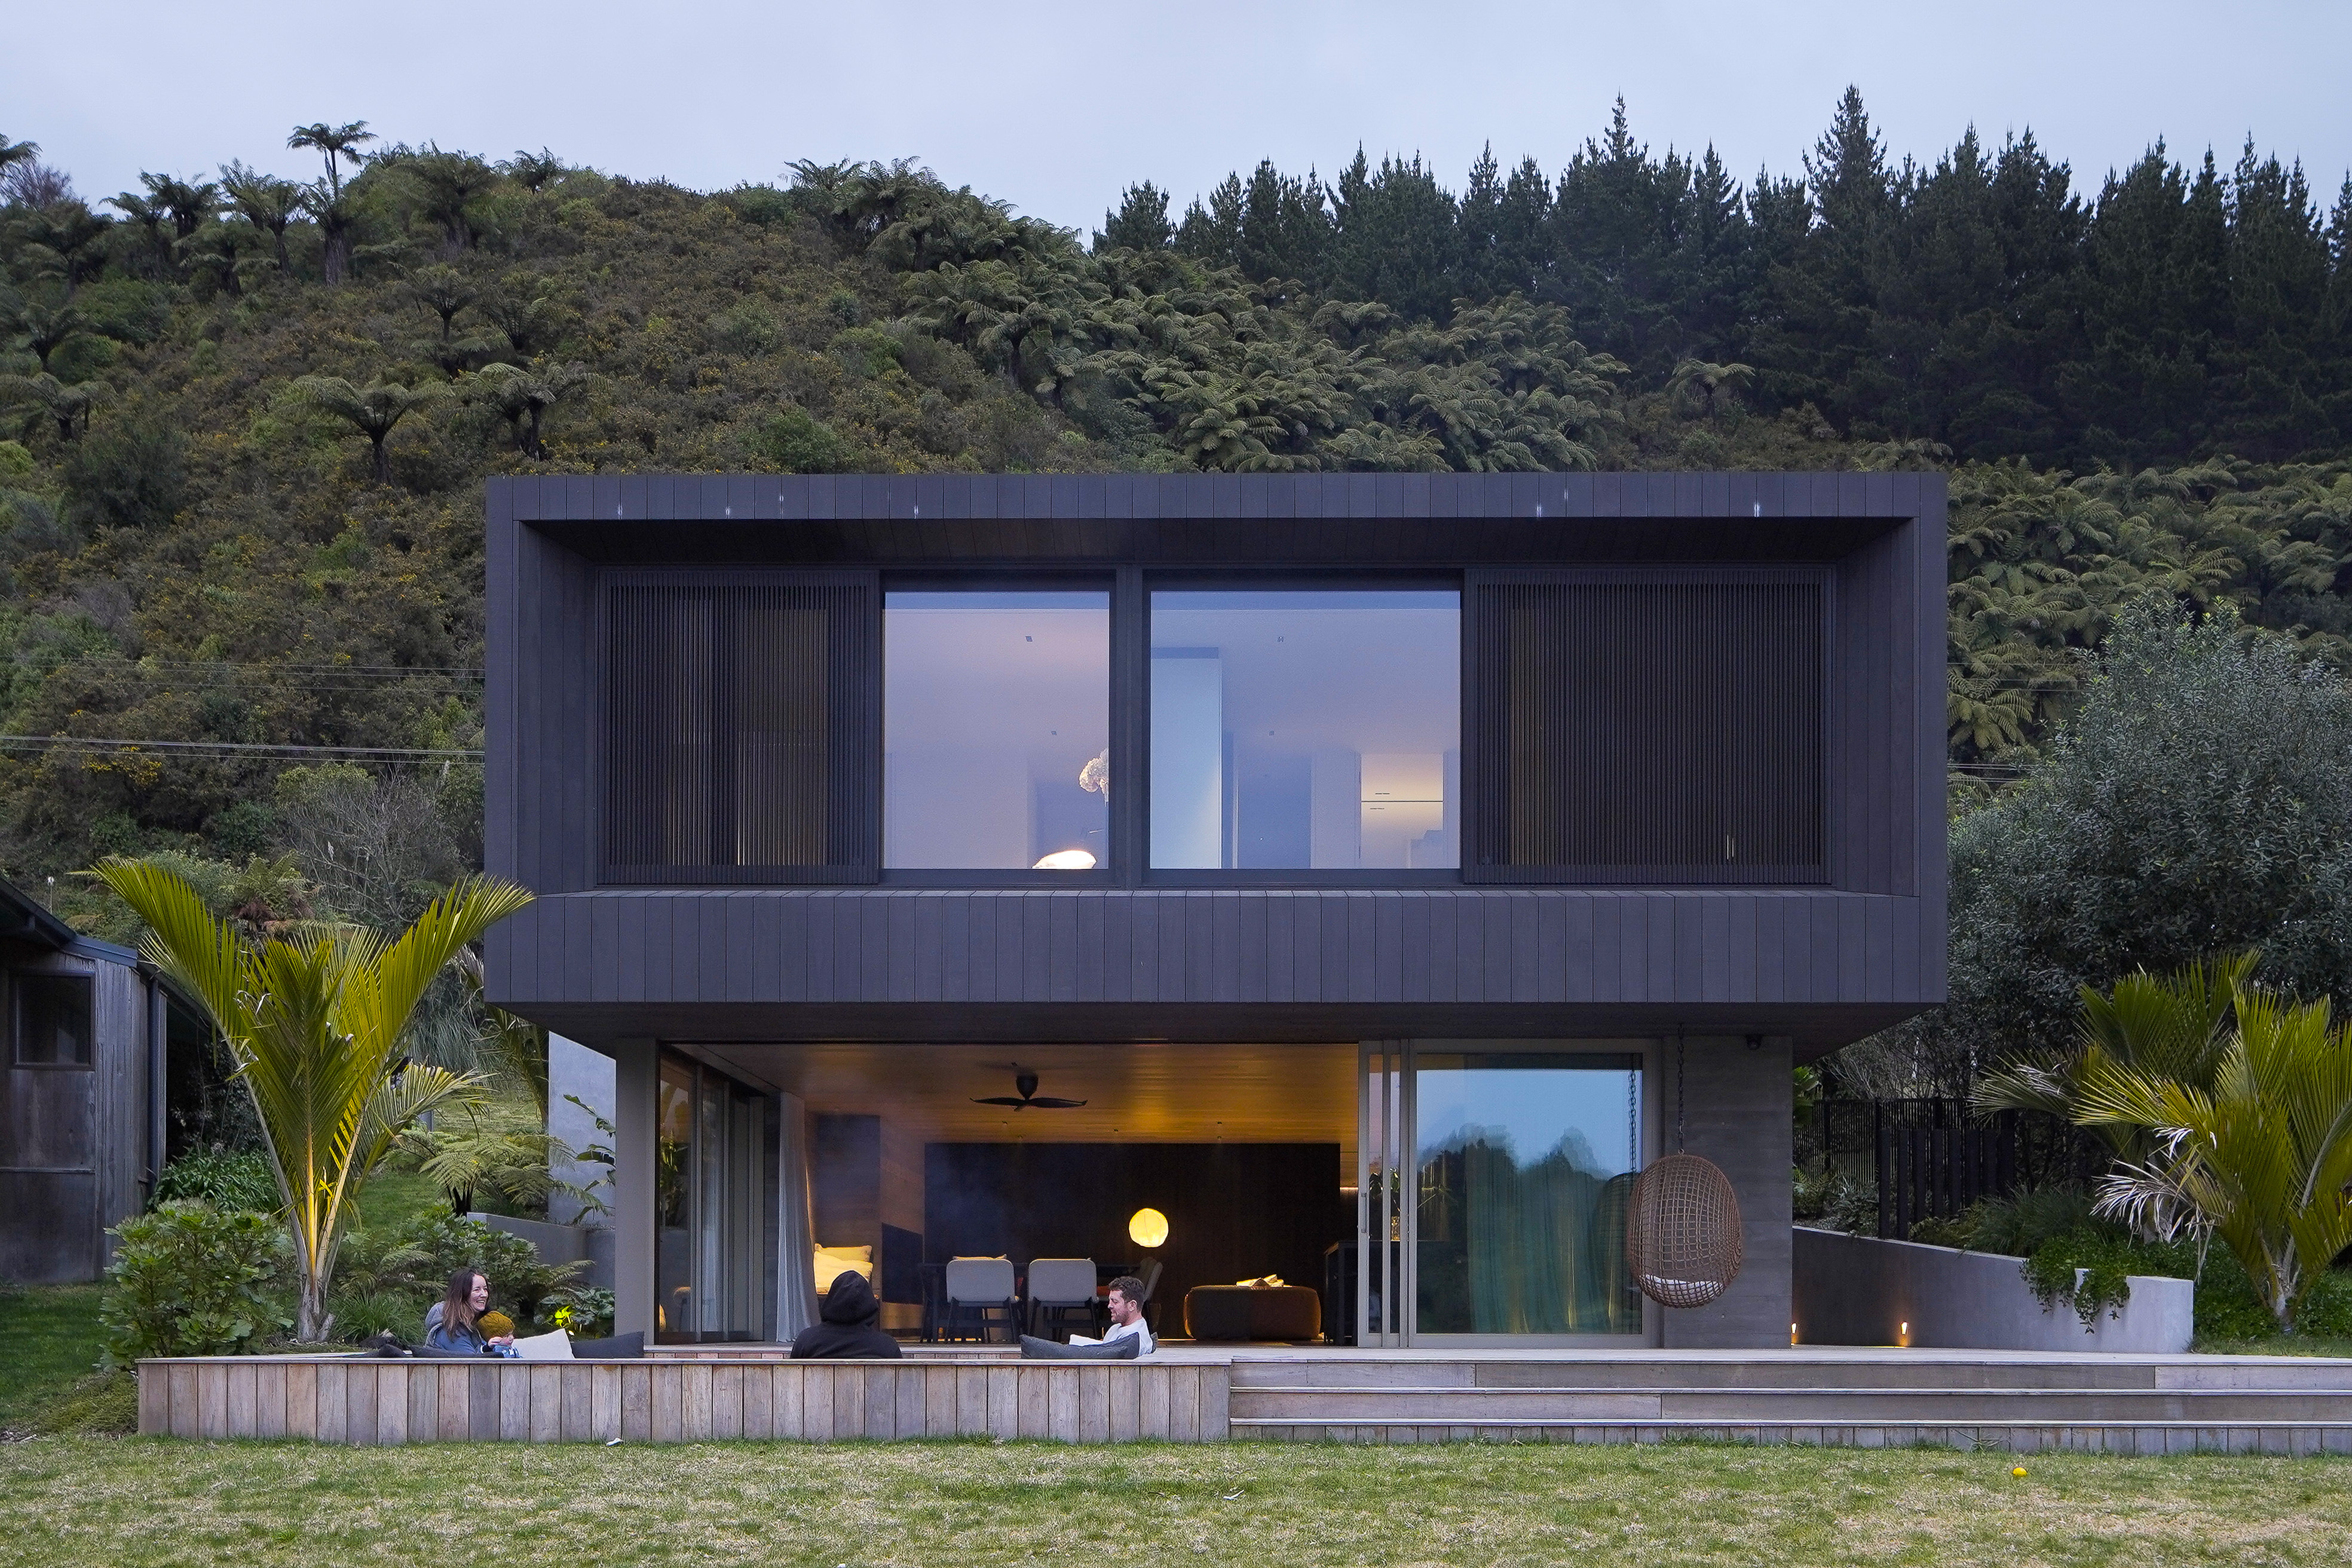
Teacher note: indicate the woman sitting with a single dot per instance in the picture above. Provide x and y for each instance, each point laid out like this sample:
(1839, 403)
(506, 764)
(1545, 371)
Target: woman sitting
(455, 1324)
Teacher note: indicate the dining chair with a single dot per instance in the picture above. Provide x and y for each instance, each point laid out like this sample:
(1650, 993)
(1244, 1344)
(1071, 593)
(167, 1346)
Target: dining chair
(980, 1298)
(1062, 1288)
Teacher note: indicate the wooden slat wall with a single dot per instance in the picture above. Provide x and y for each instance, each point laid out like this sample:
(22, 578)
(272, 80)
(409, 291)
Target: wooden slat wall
(369, 1402)
(1199, 945)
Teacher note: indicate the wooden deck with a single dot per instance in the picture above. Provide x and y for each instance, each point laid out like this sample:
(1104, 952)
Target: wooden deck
(679, 1399)
(1197, 1393)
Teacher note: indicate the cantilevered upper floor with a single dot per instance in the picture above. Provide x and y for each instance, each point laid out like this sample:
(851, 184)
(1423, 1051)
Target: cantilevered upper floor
(1133, 757)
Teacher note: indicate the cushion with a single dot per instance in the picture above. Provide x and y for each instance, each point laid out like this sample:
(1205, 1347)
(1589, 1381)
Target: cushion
(1123, 1349)
(620, 1347)
(556, 1346)
(834, 1261)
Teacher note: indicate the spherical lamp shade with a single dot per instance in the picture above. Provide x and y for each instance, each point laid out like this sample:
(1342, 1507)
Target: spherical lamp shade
(1683, 1243)
(1148, 1228)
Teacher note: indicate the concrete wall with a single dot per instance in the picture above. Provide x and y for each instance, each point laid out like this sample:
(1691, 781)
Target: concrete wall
(562, 1243)
(574, 1070)
(1735, 1108)
(1859, 1290)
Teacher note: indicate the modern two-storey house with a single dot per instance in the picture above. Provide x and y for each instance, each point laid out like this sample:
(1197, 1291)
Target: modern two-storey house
(1364, 874)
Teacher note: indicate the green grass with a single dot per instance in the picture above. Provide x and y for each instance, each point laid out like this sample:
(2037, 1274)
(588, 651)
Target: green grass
(140, 1501)
(2277, 1344)
(391, 1197)
(48, 1338)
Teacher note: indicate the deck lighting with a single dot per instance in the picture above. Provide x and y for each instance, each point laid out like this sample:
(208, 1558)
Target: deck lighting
(1148, 1228)
(1065, 860)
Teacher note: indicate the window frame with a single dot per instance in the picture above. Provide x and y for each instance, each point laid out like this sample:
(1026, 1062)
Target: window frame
(1821, 575)
(864, 800)
(1010, 580)
(1278, 581)
(16, 987)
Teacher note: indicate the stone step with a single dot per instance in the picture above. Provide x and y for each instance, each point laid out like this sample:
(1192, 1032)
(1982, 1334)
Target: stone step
(2294, 1437)
(1896, 1370)
(1930, 1406)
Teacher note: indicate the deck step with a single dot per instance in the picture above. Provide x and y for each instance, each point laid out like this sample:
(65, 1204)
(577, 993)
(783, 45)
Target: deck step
(2129, 1404)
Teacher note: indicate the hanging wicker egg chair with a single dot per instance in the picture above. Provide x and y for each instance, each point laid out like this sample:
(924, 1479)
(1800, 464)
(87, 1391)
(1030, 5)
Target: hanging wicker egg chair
(1682, 1244)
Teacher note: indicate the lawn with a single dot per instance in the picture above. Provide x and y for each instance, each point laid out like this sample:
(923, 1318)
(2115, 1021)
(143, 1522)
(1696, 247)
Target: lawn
(48, 1338)
(138, 1502)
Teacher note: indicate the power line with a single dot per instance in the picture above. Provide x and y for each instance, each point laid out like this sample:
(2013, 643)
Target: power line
(232, 749)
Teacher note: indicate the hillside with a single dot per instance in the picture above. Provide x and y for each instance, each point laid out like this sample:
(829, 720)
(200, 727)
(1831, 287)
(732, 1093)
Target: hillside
(202, 544)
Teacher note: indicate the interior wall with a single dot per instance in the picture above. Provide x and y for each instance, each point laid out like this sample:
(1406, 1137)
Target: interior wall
(1234, 1210)
(846, 1179)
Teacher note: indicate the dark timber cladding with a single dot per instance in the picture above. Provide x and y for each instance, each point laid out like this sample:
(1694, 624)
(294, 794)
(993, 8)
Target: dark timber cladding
(1702, 761)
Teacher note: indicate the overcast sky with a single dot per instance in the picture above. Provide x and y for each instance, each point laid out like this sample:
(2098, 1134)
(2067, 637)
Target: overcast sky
(1057, 106)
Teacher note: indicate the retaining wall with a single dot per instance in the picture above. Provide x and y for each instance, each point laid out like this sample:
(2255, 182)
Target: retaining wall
(1859, 1290)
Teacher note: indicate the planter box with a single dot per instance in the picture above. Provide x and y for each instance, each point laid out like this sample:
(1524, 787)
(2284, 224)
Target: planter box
(1859, 1290)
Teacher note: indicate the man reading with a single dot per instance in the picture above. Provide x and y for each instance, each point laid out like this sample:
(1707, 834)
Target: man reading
(1125, 1302)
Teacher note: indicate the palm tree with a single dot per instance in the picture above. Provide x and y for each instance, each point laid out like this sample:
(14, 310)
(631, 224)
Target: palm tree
(14, 152)
(67, 402)
(441, 289)
(334, 142)
(372, 410)
(2172, 1026)
(523, 396)
(45, 329)
(532, 171)
(2261, 1159)
(188, 203)
(315, 1024)
(267, 201)
(1713, 384)
(448, 185)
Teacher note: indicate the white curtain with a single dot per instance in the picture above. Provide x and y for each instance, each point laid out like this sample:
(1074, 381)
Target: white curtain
(795, 1231)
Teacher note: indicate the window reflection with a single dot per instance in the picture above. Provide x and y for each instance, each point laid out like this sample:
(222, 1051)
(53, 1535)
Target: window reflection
(996, 730)
(1524, 1165)
(1313, 730)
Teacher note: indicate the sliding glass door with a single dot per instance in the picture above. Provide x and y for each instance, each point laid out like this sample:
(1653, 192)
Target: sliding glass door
(1494, 1180)
(715, 1193)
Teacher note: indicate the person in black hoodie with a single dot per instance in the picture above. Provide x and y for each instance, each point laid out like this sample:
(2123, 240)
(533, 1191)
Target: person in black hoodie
(847, 1331)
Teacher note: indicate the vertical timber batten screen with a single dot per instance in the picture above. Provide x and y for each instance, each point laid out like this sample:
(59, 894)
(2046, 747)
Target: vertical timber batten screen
(1648, 728)
(740, 727)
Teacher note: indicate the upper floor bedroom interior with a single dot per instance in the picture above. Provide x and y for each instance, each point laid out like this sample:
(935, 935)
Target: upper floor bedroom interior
(720, 702)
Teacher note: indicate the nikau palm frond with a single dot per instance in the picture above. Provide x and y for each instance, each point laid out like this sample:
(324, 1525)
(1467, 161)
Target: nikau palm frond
(314, 1021)
(2259, 1156)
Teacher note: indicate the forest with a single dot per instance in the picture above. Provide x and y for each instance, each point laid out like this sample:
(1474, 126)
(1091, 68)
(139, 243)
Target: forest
(244, 419)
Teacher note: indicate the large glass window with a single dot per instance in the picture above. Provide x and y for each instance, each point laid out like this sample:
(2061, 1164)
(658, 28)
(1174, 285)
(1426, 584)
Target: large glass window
(715, 1194)
(1523, 1165)
(996, 730)
(1313, 730)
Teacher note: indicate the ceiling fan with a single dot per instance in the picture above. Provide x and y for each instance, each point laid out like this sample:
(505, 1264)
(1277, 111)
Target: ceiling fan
(1026, 1082)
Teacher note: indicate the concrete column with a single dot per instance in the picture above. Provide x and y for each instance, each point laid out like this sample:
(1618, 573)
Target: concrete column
(1737, 1110)
(636, 1095)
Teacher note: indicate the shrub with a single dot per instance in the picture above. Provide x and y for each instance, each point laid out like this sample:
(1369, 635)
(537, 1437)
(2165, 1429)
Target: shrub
(389, 1280)
(226, 1179)
(583, 1311)
(798, 444)
(131, 476)
(191, 1280)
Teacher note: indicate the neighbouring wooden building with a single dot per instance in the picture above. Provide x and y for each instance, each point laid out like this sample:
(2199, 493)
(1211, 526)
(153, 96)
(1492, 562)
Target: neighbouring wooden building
(82, 1097)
